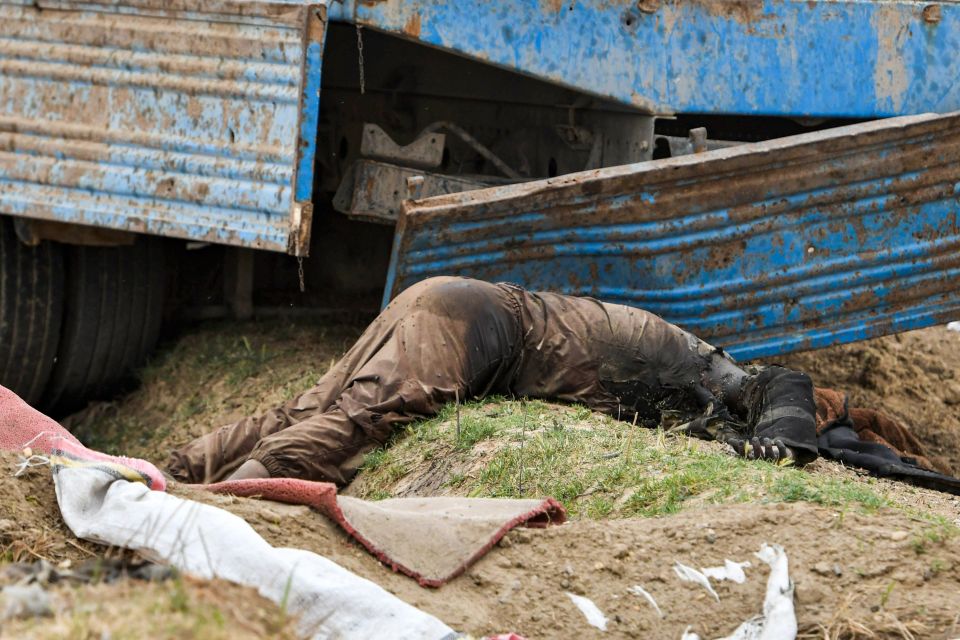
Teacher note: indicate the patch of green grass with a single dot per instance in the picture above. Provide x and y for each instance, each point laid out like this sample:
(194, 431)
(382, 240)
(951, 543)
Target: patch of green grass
(885, 596)
(473, 429)
(596, 466)
(829, 492)
(937, 565)
(936, 530)
(375, 459)
(456, 480)
(179, 599)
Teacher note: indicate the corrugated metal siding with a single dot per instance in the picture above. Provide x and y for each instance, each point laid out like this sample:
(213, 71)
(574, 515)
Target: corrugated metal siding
(766, 248)
(843, 58)
(180, 119)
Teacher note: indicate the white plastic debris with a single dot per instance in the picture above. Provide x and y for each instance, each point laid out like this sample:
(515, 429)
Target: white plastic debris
(637, 590)
(780, 617)
(749, 630)
(779, 620)
(689, 574)
(732, 571)
(689, 635)
(590, 611)
(327, 600)
(953, 326)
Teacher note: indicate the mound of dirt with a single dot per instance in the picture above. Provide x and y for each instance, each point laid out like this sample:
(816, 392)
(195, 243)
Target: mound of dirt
(219, 373)
(914, 376)
(886, 574)
(170, 610)
(214, 375)
(30, 524)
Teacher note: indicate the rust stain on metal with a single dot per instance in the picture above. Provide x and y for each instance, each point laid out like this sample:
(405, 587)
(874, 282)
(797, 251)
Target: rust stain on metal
(768, 224)
(648, 6)
(412, 26)
(94, 127)
(742, 11)
(554, 5)
(891, 77)
(932, 13)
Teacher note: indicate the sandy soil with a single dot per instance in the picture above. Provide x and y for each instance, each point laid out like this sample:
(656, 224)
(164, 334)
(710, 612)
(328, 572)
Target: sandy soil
(170, 610)
(914, 376)
(882, 576)
(31, 530)
(887, 573)
(896, 576)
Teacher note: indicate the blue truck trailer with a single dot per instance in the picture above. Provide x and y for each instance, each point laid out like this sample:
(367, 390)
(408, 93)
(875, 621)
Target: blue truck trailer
(773, 174)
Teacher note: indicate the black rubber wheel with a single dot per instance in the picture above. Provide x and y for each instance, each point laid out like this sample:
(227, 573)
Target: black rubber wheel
(113, 308)
(31, 302)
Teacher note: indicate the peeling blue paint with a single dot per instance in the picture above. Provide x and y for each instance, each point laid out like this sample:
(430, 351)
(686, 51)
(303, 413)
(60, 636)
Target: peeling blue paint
(308, 121)
(767, 248)
(821, 58)
(193, 125)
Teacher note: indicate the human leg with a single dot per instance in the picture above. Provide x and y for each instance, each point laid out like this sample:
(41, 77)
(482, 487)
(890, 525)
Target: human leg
(633, 365)
(443, 338)
(457, 338)
(214, 456)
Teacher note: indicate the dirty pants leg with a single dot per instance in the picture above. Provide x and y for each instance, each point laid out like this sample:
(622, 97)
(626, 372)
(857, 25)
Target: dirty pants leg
(618, 360)
(215, 456)
(441, 339)
(632, 364)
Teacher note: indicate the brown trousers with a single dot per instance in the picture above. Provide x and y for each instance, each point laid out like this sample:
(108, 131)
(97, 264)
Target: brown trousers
(448, 338)
(453, 337)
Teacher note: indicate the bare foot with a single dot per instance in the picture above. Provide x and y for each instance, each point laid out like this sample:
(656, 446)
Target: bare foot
(250, 470)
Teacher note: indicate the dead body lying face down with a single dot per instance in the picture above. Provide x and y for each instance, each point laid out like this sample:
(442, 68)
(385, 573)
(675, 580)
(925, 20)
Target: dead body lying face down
(449, 338)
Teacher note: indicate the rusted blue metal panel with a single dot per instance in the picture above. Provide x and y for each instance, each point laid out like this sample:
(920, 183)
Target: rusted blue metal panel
(843, 58)
(764, 248)
(189, 119)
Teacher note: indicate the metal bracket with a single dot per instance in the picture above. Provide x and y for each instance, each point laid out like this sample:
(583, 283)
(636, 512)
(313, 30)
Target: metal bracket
(374, 191)
(425, 152)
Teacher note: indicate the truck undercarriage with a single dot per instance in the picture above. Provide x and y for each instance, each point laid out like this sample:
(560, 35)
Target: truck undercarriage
(588, 147)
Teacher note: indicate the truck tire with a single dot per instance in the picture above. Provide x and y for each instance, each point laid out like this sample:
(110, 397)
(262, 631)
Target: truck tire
(31, 302)
(113, 307)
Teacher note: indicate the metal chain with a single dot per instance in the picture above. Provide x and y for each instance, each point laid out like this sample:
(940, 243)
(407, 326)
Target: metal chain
(363, 80)
(303, 284)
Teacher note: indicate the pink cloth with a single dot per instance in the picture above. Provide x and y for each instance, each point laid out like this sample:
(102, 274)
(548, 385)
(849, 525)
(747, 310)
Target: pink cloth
(22, 426)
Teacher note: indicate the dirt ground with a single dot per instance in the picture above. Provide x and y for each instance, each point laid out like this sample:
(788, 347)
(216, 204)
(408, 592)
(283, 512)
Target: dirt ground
(892, 575)
(889, 574)
(914, 376)
(173, 609)
(30, 524)
(31, 531)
